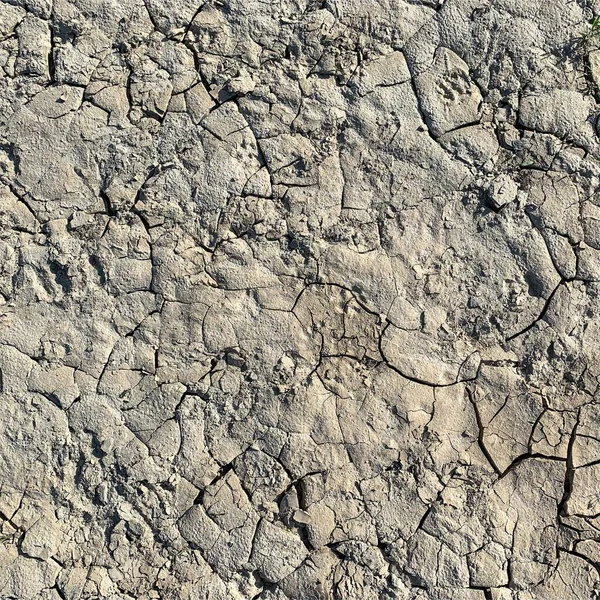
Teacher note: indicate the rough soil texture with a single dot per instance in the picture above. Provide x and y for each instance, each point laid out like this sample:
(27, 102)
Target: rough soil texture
(299, 300)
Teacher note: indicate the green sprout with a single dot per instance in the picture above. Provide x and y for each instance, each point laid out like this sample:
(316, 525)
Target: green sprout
(593, 33)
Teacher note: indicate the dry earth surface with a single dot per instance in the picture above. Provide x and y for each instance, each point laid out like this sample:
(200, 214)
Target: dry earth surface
(299, 300)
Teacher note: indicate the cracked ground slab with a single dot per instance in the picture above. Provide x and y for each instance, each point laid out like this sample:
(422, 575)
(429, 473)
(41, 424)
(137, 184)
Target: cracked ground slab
(299, 300)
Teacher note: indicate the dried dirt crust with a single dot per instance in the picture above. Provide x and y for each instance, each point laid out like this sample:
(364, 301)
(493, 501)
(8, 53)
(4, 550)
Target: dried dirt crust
(299, 300)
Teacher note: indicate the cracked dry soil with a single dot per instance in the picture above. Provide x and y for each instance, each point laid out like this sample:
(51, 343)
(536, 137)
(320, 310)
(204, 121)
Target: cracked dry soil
(299, 300)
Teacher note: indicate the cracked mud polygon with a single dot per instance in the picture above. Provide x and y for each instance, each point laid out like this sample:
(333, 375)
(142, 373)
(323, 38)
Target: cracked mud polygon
(299, 300)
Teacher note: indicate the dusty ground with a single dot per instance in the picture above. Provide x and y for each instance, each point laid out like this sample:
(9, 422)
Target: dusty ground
(299, 300)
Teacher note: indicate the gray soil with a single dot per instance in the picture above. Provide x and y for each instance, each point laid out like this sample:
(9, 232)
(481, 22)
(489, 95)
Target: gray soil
(299, 300)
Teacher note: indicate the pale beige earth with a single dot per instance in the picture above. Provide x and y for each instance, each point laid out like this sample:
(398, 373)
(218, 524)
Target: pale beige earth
(299, 300)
